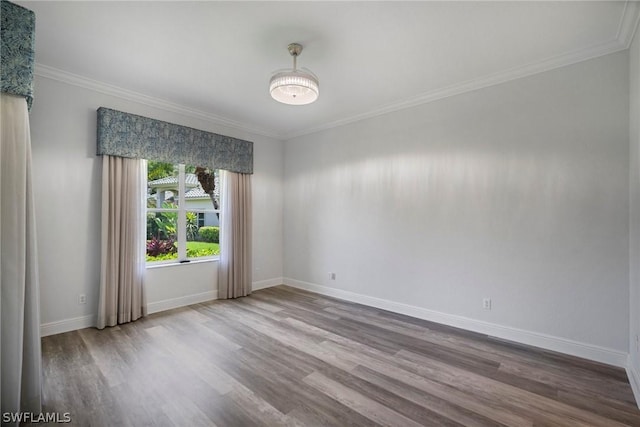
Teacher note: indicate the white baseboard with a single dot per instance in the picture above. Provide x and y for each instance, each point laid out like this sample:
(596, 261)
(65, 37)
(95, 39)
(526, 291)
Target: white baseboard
(547, 342)
(67, 325)
(168, 304)
(634, 380)
(267, 283)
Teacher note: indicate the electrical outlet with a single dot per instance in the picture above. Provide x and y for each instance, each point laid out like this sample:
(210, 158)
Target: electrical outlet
(82, 299)
(332, 276)
(486, 303)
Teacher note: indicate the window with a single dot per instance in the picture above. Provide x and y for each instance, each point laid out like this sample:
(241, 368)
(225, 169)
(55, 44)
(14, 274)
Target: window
(182, 217)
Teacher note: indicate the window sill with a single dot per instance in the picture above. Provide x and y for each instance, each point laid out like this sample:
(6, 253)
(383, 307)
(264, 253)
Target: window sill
(177, 264)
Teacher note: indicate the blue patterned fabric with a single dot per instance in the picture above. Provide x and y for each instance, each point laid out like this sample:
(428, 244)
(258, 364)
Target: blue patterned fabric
(17, 50)
(128, 135)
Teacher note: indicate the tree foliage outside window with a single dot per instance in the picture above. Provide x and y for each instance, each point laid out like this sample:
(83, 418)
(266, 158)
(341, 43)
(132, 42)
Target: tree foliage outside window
(157, 170)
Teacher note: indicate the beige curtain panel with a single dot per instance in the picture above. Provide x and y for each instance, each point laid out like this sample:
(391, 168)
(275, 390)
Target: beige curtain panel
(21, 371)
(122, 296)
(234, 269)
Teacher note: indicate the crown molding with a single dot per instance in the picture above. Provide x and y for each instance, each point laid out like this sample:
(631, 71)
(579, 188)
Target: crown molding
(52, 73)
(475, 84)
(629, 23)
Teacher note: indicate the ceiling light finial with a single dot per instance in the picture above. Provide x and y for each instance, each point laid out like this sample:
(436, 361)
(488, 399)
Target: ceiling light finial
(294, 86)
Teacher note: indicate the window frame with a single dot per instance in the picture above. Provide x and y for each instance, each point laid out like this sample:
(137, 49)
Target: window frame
(181, 225)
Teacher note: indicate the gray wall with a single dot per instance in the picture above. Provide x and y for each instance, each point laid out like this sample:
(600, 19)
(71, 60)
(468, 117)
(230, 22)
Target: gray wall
(634, 243)
(67, 176)
(517, 192)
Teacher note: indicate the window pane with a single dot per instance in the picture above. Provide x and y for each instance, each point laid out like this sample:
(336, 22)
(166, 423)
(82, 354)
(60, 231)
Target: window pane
(202, 240)
(161, 236)
(162, 185)
(191, 228)
(201, 184)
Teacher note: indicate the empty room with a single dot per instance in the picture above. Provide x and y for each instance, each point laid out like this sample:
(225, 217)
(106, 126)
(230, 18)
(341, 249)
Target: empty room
(320, 213)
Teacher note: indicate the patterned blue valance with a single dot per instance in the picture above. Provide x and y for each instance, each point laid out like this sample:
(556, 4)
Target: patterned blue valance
(127, 135)
(17, 50)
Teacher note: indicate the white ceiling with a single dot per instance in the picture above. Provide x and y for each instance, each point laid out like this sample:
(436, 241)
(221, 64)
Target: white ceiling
(215, 58)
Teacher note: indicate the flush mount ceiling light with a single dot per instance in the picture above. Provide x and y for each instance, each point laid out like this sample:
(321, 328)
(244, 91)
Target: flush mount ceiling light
(293, 86)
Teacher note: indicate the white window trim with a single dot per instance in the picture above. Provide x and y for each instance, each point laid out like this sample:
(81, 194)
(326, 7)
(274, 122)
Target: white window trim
(181, 226)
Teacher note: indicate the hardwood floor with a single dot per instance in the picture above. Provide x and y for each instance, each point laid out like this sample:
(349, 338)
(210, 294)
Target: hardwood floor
(288, 357)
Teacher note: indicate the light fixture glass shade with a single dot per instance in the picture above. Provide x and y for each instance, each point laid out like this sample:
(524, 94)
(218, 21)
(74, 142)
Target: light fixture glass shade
(294, 87)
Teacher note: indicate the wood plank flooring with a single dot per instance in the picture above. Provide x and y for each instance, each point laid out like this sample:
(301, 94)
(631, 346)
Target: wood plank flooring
(286, 357)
